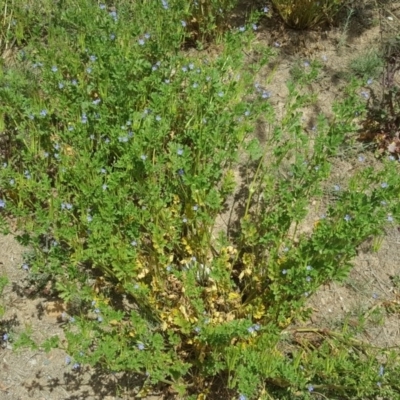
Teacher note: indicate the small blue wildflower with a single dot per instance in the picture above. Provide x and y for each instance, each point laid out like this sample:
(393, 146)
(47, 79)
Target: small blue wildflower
(379, 384)
(191, 66)
(381, 370)
(134, 243)
(308, 279)
(88, 70)
(242, 28)
(256, 327)
(369, 81)
(113, 15)
(266, 95)
(76, 366)
(169, 268)
(384, 185)
(242, 397)
(383, 203)
(54, 68)
(361, 158)
(5, 337)
(74, 82)
(310, 388)
(284, 271)
(179, 152)
(93, 58)
(250, 330)
(112, 36)
(31, 117)
(147, 36)
(184, 69)
(89, 218)
(197, 329)
(45, 154)
(266, 9)
(27, 174)
(183, 23)
(158, 118)
(204, 120)
(195, 207)
(184, 220)
(165, 4)
(97, 310)
(96, 101)
(181, 172)
(104, 187)
(390, 218)
(123, 139)
(347, 218)
(374, 296)
(141, 42)
(309, 268)
(167, 81)
(25, 267)
(277, 44)
(365, 94)
(2, 203)
(306, 63)
(60, 85)
(12, 181)
(67, 360)
(100, 318)
(221, 94)
(336, 188)
(71, 320)
(143, 157)
(317, 167)
(255, 27)
(102, 6)
(140, 346)
(43, 113)
(195, 85)
(286, 249)
(84, 118)
(247, 113)
(70, 128)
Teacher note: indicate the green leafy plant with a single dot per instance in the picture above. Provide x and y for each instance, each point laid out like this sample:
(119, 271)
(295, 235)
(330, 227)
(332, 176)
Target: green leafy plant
(122, 152)
(303, 14)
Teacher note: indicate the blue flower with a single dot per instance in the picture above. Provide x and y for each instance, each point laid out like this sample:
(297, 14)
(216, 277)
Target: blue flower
(277, 44)
(71, 320)
(247, 113)
(100, 318)
(93, 58)
(5, 337)
(310, 388)
(308, 279)
(191, 66)
(266, 9)
(113, 15)
(181, 172)
(184, 69)
(266, 95)
(88, 70)
(134, 243)
(89, 218)
(309, 268)
(158, 118)
(255, 27)
(67, 360)
(195, 207)
(104, 187)
(197, 329)
(184, 220)
(284, 271)
(384, 185)
(2, 203)
(143, 157)
(242, 397)
(336, 187)
(365, 94)
(390, 218)
(165, 4)
(25, 267)
(112, 36)
(84, 118)
(183, 23)
(361, 158)
(141, 42)
(96, 101)
(242, 28)
(195, 85)
(102, 6)
(369, 81)
(54, 68)
(250, 330)
(381, 370)
(60, 85)
(306, 64)
(180, 152)
(221, 94)
(147, 36)
(43, 113)
(76, 366)
(140, 346)
(347, 218)
(74, 82)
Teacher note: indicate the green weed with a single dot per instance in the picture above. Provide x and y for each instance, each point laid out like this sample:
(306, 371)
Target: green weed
(121, 153)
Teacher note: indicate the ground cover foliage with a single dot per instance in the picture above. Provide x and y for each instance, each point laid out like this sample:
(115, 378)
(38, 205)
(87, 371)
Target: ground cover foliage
(120, 150)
